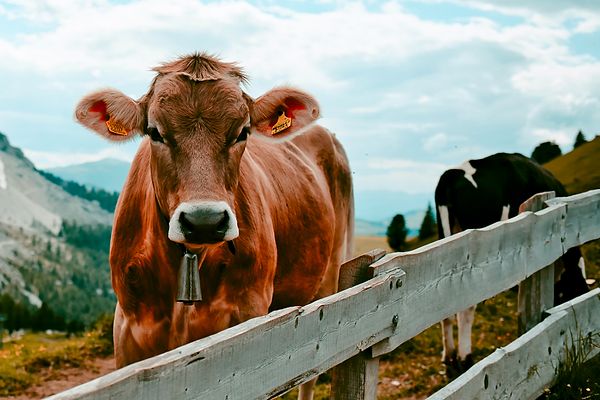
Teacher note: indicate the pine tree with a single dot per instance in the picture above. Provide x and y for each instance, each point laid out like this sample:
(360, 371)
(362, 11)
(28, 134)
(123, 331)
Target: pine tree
(579, 139)
(396, 232)
(428, 226)
(545, 152)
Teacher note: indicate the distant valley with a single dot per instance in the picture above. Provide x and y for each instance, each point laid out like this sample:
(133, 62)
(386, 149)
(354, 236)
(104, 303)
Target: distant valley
(53, 244)
(374, 209)
(108, 174)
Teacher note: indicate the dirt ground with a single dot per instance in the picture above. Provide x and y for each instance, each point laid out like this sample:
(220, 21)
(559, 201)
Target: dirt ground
(67, 378)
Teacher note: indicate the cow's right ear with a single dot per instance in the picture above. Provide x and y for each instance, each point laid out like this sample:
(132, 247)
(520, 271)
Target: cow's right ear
(111, 114)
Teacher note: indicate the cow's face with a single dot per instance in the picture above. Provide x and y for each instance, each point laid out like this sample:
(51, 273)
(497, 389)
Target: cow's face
(198, 133)
(198, 130)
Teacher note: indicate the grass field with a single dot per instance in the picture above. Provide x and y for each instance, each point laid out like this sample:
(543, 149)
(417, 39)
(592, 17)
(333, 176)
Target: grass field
(362, 244)
(38, 357)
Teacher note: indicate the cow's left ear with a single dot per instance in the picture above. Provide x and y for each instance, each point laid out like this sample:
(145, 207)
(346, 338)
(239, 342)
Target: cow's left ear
(283, 113)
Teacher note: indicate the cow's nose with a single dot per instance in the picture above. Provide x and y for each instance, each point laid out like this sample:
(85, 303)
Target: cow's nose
(204, 225)
(203, 222)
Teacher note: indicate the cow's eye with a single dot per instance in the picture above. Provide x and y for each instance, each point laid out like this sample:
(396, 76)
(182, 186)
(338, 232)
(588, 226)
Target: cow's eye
(154, 134)
(243, 134)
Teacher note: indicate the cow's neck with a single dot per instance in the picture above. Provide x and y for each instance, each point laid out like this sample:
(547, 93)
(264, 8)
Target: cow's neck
(144, 262)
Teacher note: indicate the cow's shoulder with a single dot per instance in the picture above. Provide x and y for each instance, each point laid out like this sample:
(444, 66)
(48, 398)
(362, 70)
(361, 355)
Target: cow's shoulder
(135, 250)
(328, 153)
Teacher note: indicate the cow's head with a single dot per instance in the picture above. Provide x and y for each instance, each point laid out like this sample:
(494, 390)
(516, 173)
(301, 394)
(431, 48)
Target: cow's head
(198, 120)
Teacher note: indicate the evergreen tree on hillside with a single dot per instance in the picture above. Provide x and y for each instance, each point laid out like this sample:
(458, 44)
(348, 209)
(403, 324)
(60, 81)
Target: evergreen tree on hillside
(17, 315)
(545, 152)
(396, 232)
(428, 226)
(579, 139)
(106, 200)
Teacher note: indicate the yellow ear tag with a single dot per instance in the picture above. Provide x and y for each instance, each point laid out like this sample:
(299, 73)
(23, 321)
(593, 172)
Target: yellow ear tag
(283, 122)
(116, 127)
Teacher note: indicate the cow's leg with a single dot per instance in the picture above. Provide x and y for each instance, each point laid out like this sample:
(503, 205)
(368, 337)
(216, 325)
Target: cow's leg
(329, 286)
(465, 325)
(448, 338)
(118, 322)
(589, 282)
(306, 391)
(582, 267)
(449, 351)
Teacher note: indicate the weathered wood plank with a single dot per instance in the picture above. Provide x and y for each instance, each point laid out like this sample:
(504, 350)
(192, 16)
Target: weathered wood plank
(536, 293)
(525, 367)
(481, 263)
(583, 217)
(266, 356)
(357, 377)
(536, 202)
(356, 271)
(464, 269)
(262, 357)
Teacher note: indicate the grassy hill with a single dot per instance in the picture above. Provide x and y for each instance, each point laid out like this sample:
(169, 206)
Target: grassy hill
(578, 170)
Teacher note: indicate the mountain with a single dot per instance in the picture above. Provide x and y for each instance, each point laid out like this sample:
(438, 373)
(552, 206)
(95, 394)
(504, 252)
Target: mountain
(53, 245)
(108, 174)
(363, 227)
(106, 200)
(412, 218)
(374, 209)
(380, 205)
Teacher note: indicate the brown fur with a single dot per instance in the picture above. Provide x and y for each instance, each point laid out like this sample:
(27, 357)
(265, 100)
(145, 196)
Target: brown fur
(202, 67)
(292, 199)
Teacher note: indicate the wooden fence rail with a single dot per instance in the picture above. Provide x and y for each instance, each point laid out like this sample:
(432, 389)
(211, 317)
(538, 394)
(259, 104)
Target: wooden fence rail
(408, 292)
(525, 367)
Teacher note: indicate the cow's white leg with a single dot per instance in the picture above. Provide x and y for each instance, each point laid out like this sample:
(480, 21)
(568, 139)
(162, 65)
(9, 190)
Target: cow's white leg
(447, 339)
(307, 390)
(505, 212)
(582, 267)
(449, 351)
(465, 324)
(445, 219)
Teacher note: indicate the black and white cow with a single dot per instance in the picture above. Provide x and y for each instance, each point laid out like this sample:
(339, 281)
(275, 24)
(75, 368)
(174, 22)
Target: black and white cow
(479, 193)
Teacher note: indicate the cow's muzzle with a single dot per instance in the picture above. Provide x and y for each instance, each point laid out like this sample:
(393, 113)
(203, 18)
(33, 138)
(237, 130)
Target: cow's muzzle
(203, 222)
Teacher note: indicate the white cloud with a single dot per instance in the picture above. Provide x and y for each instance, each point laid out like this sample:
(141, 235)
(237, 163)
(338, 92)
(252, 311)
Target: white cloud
(560, 137)
(579, 81)
(400, 175)
(436, 142)
(392, 84)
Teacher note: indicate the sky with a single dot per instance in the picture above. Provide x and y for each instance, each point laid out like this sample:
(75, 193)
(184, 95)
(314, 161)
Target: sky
(410, 88)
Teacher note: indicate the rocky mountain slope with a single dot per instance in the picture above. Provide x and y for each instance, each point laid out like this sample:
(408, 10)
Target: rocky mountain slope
(38, 261)
(29, 200)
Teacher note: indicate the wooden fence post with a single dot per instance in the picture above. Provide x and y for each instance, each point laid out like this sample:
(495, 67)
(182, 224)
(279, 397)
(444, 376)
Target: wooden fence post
(536, 293)
(356, 378)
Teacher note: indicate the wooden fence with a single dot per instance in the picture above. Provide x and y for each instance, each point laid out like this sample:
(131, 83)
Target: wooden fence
(401, 295)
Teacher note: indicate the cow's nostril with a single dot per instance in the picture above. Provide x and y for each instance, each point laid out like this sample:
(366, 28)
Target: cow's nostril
(204, 225)
(185, 223)
(224, 224)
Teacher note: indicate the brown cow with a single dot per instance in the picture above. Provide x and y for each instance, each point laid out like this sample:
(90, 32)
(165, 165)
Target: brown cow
(271, 212)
